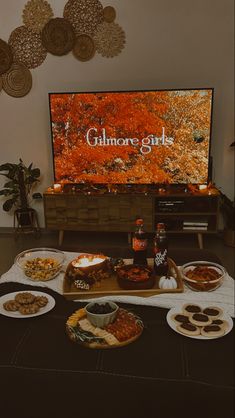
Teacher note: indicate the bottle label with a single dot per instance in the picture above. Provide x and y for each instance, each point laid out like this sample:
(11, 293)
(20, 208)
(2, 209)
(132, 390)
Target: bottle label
(160, 257)
(139, 244)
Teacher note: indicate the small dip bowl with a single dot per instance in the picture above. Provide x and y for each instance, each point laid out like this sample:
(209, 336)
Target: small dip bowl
(95, 312)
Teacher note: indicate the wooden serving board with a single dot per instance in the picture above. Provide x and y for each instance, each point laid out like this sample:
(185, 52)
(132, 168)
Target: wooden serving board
(110, 286)
(86, 339)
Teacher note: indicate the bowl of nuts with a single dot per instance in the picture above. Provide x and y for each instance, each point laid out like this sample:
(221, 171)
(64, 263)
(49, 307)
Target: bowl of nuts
(203, 276)
(40, 264)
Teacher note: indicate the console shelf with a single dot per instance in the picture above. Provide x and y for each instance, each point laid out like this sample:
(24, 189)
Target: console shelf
(116, 212)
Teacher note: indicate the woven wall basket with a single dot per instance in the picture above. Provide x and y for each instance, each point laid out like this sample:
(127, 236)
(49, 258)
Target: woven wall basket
(109, 14)
(84, 15)
(84, 48)
(17, 81)
(58, 36)
(27, 47)
(6, 57)
(36, 14)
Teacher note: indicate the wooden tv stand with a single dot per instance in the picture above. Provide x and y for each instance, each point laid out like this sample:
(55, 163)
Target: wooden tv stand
(116, 212)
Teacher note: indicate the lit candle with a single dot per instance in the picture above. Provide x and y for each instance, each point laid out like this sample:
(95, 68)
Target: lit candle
(57, 188)
(85, 262)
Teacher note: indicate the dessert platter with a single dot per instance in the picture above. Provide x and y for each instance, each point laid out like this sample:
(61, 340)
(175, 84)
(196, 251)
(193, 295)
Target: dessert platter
(202, 322)
(26, 304)
(118, 327)
(108, 278)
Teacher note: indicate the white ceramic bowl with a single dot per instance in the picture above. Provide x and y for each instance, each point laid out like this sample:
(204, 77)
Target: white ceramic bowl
(40, 264)
(101, 319)
(196, 278)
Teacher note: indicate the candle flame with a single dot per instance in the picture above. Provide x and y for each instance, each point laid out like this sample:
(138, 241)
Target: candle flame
(85, 262)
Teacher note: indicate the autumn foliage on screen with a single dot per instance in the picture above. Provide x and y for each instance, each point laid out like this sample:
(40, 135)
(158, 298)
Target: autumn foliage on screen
(139, 137)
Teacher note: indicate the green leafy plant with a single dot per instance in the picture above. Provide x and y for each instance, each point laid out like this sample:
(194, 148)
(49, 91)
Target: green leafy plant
(21, 180)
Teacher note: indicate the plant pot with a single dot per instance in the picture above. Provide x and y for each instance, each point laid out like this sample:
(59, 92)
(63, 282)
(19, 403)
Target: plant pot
(229, 237)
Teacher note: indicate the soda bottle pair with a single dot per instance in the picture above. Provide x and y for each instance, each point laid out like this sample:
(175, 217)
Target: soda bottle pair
(160, 247)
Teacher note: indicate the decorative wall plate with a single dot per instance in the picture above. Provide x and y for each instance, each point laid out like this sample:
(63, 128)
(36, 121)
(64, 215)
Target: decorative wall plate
(36, 14)
(17, 81)
(27, 47)
(6, 57)
(84, 48)
(109, 14)
(84, 15)
(58, 36)
(109, 39)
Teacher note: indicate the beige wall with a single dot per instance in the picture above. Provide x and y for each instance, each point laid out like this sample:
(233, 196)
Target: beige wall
(170, 44)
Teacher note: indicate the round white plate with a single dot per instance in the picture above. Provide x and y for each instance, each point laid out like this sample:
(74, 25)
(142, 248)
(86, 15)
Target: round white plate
(9, 296)
(178, 310)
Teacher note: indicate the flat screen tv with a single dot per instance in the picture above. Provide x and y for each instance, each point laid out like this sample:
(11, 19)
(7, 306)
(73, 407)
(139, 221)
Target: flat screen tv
(131, 137)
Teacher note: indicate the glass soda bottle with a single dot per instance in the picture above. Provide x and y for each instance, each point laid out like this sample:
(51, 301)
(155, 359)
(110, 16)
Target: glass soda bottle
(160, 250)
(139, 243)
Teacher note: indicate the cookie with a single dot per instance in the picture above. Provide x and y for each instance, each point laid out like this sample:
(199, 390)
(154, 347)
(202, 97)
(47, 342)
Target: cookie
(24, 298)
(200, 319)
(180, 318)
(29, 309)
(188, 329)
(221, 322)
(212, 331)
(41, 301)
(191, 309)
(213, 312)
(11, 305)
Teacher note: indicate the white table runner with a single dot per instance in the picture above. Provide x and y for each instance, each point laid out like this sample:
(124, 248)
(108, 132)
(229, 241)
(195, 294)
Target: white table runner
(222, 297)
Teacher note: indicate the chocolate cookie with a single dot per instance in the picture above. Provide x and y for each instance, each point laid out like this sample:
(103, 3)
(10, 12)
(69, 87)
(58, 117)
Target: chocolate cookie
(200, 319)
(29, 309)
(41, 301)
(212, 331)
(24, 298)
(188, 329)
(191, 309)
(213, 312)
(11, 305)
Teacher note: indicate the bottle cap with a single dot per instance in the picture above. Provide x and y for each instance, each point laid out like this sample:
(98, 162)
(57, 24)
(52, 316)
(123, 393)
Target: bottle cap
(160, 225)
(139, 221)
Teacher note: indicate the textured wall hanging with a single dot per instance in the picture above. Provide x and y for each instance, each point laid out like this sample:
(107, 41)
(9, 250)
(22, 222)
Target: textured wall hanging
(36, 14)
(84, 15)
(27, 47)
(58, 36)
(85, 28)
(17, 81)
(6, 57)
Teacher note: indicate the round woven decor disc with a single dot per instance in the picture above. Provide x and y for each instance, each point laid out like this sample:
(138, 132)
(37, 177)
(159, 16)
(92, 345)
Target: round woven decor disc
(17, 81)
(84, 15)
(6, 57)
(58, 36)
(84, 48)
(109, 14)
(109, 39)
(36, 14)
(27, 47)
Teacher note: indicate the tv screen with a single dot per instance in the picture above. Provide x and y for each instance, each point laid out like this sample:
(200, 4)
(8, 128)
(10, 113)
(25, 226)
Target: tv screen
(131, 137)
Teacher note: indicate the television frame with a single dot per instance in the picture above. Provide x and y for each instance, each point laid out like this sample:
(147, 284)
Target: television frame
(210, 162)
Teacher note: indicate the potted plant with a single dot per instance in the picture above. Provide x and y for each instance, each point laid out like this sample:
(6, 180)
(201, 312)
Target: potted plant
(17, 190)
(227, 207)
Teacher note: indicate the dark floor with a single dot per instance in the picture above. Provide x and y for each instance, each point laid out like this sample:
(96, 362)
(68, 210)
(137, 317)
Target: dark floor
(111, 244)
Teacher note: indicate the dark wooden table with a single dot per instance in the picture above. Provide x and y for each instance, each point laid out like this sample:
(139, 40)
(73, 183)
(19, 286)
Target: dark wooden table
(162, 374)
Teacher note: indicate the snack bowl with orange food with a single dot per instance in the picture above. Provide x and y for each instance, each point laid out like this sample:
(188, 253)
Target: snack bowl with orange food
(135, 277)
(203, 276)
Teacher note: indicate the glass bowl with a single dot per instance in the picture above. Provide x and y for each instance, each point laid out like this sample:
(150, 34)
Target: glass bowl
(203, 276)
(99, 319)
(40, 264)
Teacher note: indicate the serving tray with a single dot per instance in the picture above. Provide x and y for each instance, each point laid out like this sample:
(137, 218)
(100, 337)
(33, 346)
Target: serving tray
(110, 286)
